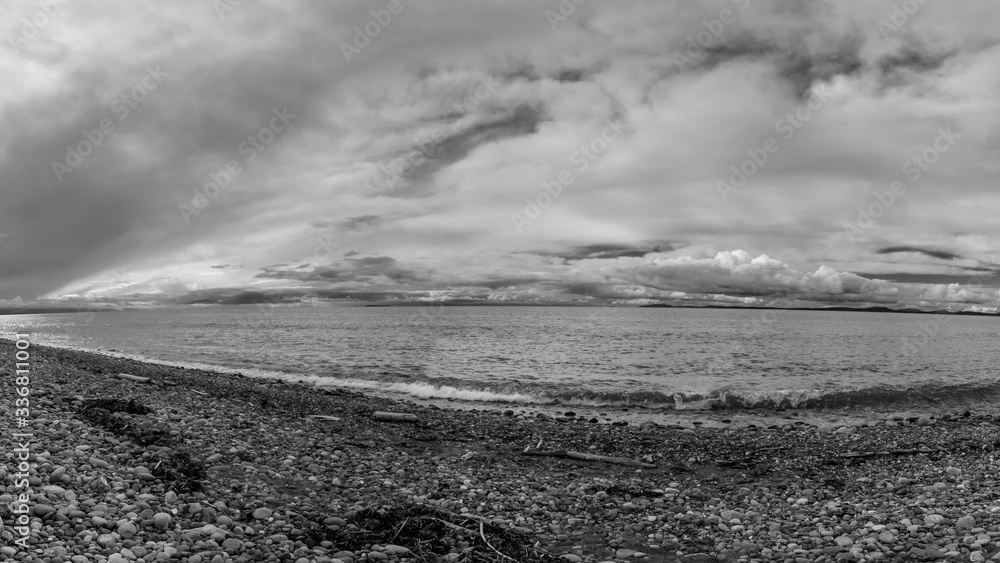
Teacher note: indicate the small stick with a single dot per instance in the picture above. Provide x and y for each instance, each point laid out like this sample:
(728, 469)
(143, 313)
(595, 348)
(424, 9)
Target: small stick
(482, 535)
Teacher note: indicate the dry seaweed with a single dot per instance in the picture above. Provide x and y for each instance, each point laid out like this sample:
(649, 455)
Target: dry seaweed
(430, 533)
(183, 472)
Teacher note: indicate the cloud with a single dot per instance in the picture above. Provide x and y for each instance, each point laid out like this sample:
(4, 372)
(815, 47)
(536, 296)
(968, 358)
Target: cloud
(739, 274)
(924, 251)
(400, 171)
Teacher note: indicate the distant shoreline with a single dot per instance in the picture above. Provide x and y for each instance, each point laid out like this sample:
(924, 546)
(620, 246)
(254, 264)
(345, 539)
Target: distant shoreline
(824, 309)
(63, 310)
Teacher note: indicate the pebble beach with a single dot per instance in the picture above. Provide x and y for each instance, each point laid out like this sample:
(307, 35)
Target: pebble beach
(199, 467)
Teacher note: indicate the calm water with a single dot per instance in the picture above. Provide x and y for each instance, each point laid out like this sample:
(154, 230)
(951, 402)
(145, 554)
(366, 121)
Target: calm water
(681, 358)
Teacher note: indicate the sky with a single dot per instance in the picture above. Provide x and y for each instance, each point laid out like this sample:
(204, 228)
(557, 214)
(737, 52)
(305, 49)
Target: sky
(743, 152)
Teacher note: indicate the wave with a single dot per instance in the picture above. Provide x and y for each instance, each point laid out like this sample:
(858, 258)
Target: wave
(720, 399)
(729, 398)
(430, 391)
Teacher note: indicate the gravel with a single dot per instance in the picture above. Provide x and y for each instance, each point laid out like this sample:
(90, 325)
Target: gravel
(206, 467)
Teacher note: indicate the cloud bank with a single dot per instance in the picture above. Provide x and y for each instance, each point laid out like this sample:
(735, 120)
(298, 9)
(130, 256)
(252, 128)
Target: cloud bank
(729, 151)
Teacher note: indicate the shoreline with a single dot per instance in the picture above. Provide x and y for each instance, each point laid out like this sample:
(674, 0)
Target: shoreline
(710, 414)
(277, 480)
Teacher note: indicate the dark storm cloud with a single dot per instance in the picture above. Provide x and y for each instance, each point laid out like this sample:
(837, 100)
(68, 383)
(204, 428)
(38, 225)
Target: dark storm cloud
(943, 255)
(804, 71)
(361, 222)
(350, 269)
(913, 59)
(601, 251)
(570, 75)
(522, 120)
(125, 193)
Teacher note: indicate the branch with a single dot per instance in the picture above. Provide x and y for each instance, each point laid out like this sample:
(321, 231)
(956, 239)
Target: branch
(588, 457)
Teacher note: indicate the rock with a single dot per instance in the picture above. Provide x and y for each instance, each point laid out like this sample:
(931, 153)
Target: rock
(953, 471)
(844, 541)
(965, 523)
(42, 510)
(232, 545)
(730, 515)
(924, 420)
(624, 553)
(977, 557)
(262, 513)
(170, 497)
(106, 540)
(392, 549)
(571, 557)
(162, 520)
(933, 519)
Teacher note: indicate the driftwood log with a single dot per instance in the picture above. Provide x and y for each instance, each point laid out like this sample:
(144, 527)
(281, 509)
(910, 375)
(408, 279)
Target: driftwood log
(394, 416)
(135, 378)
(889, 452)
(323, 417)
(588, 457)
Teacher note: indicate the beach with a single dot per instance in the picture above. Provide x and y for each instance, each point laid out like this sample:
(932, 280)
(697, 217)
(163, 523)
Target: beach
(212, 467)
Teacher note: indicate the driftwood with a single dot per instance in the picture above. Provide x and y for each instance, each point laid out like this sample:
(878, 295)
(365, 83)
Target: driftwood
(323, 417)
(588, 457)
(394, 416)
(889, 452)
(135, 378)
(198, 392)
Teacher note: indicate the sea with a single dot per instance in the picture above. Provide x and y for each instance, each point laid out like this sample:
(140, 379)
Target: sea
(603, 357)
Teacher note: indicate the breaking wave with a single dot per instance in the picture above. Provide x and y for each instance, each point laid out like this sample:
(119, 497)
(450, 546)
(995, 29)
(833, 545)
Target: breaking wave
(721, 399)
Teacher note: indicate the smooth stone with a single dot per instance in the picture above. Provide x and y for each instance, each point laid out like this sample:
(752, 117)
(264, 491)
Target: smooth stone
(161, 520)
(41, 510)
(262, 513)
